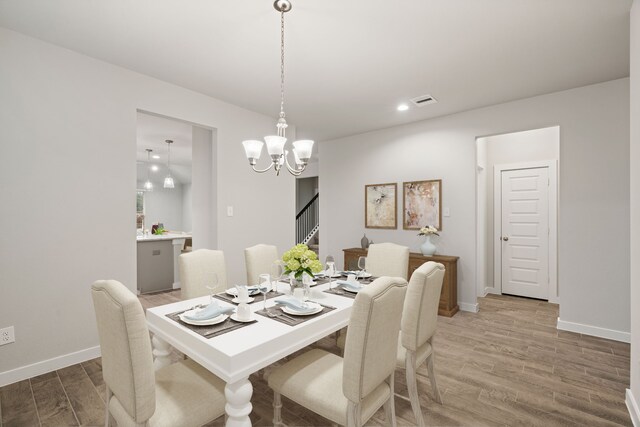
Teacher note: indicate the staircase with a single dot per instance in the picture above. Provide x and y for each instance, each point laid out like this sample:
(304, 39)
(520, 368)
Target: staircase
(307, 222)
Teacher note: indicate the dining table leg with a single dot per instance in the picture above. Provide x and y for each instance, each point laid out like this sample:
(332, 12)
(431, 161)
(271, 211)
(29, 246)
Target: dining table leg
(238, 407)
(161, 352)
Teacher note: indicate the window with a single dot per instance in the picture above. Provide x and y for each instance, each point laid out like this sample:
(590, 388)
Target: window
(140, 209)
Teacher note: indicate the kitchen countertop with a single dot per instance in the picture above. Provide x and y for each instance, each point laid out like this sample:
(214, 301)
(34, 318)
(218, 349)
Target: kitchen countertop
(167, 236)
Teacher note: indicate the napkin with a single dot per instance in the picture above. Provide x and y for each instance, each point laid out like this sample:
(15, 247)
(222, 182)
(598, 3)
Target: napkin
(294, 304)
(351, 285)
(211, 311)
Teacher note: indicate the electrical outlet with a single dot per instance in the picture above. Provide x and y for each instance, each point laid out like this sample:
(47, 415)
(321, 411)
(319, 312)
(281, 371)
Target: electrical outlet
(7, 335)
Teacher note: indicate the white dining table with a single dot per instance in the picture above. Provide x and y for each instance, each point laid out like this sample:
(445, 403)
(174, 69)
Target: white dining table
(235, 355)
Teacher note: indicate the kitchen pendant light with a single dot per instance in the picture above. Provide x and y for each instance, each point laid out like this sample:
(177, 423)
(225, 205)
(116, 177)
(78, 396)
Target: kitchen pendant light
(148, 185)
(275, 143)
(168, 181)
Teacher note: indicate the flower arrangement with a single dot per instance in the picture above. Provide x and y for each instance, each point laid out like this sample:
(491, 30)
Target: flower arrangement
(299, 260)
(428, 230)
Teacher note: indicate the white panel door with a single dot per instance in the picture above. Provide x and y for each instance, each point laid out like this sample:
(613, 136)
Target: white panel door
(525, 232)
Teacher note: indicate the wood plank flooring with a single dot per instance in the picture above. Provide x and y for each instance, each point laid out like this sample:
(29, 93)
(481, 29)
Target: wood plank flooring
(507, 365)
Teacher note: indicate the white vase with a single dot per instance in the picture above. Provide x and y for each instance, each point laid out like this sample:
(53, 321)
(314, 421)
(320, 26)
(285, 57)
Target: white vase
(428, 248)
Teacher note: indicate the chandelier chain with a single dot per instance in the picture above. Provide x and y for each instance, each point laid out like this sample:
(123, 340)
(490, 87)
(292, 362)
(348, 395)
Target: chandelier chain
(282, 63)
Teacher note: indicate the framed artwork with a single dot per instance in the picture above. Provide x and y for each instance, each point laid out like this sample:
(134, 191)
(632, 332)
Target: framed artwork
(422, 204)
(380, 206)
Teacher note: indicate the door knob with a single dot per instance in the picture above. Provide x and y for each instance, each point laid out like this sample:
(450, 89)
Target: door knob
(506, 239)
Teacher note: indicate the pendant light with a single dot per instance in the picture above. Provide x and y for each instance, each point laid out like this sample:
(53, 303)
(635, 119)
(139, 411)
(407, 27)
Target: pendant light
(168, 181)
(275, 143)
(148, 185)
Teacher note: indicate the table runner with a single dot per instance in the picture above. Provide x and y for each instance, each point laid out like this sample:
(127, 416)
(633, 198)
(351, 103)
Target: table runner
(212, 330)
(293, 320)
(257, 297)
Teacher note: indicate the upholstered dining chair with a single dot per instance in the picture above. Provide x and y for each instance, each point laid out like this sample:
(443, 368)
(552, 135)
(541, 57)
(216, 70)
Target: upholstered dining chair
(258, 260)
(388, 259)
(419, 317)
(349, 390)
(181, 394)
(197, 267)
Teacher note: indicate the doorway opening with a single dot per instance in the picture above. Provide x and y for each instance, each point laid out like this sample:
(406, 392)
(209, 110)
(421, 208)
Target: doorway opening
(308, 212)
(516, 214)
(172, 219)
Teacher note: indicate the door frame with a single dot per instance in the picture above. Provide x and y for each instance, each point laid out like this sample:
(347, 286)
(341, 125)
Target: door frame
(552, 165)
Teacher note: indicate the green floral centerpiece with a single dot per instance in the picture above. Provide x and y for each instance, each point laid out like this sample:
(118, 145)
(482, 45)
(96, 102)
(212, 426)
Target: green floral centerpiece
(299, 260)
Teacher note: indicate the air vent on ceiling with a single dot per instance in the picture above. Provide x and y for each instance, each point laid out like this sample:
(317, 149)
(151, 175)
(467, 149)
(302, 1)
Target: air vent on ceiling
(424, 100)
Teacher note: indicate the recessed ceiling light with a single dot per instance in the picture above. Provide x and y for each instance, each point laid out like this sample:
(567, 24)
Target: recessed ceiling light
(403, 107)
(155, 156)
(154, 168)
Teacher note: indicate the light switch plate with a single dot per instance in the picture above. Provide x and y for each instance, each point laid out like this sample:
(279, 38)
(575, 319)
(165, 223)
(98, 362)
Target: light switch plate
(229, 210)
(445, 212)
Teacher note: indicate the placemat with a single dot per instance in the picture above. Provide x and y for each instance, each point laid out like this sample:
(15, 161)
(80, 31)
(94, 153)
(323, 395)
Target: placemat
(290, 320)
(334, 291)
(257, 297)
(212, 330)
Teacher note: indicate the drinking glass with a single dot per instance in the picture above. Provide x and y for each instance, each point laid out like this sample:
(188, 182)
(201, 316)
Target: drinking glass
(212, 286)
(264, 283)
(277, 270)
(330, 268)
(362, 265)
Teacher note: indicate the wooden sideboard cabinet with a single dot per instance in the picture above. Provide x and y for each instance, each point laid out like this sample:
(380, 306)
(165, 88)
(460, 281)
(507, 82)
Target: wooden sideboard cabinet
(449, 295)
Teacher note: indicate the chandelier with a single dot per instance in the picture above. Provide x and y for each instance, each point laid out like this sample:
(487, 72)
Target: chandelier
(276, 143)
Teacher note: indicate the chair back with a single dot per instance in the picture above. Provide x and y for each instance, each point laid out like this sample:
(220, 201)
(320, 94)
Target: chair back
(420, 312)
(196, 269)
(127, 364)
(259, 259)
(388, 259)
(370, 348)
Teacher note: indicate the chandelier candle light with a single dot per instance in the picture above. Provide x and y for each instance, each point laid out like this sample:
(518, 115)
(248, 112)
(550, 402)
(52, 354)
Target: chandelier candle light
(168, 181)
(275, 143)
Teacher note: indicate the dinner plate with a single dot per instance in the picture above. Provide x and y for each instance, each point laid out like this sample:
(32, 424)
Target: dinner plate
(364, 275)
(249, 300)
(351, 289)
(234, 316)
(234, 292)
(323, 275)
(208, 322)
(317, 309)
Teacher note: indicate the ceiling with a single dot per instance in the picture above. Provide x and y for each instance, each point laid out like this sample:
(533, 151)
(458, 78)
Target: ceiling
(349, 63)
(152, 131)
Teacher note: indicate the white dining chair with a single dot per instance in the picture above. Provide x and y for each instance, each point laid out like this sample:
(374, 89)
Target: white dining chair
(388, 259)
(196, 269)
(419, 317)
(181, 394)
(349, 390)
(258, 260)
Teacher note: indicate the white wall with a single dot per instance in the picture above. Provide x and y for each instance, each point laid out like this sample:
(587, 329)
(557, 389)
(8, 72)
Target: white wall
(516, 147)
(633, 399)
(65, 117)
(186, 207)
(163, 205)
(594, 189)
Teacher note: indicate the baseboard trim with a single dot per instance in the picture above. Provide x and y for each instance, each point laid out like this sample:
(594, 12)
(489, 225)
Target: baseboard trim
(488, 290)
(594, 331)
(632, 407)
(465, 306)
(39, 368)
